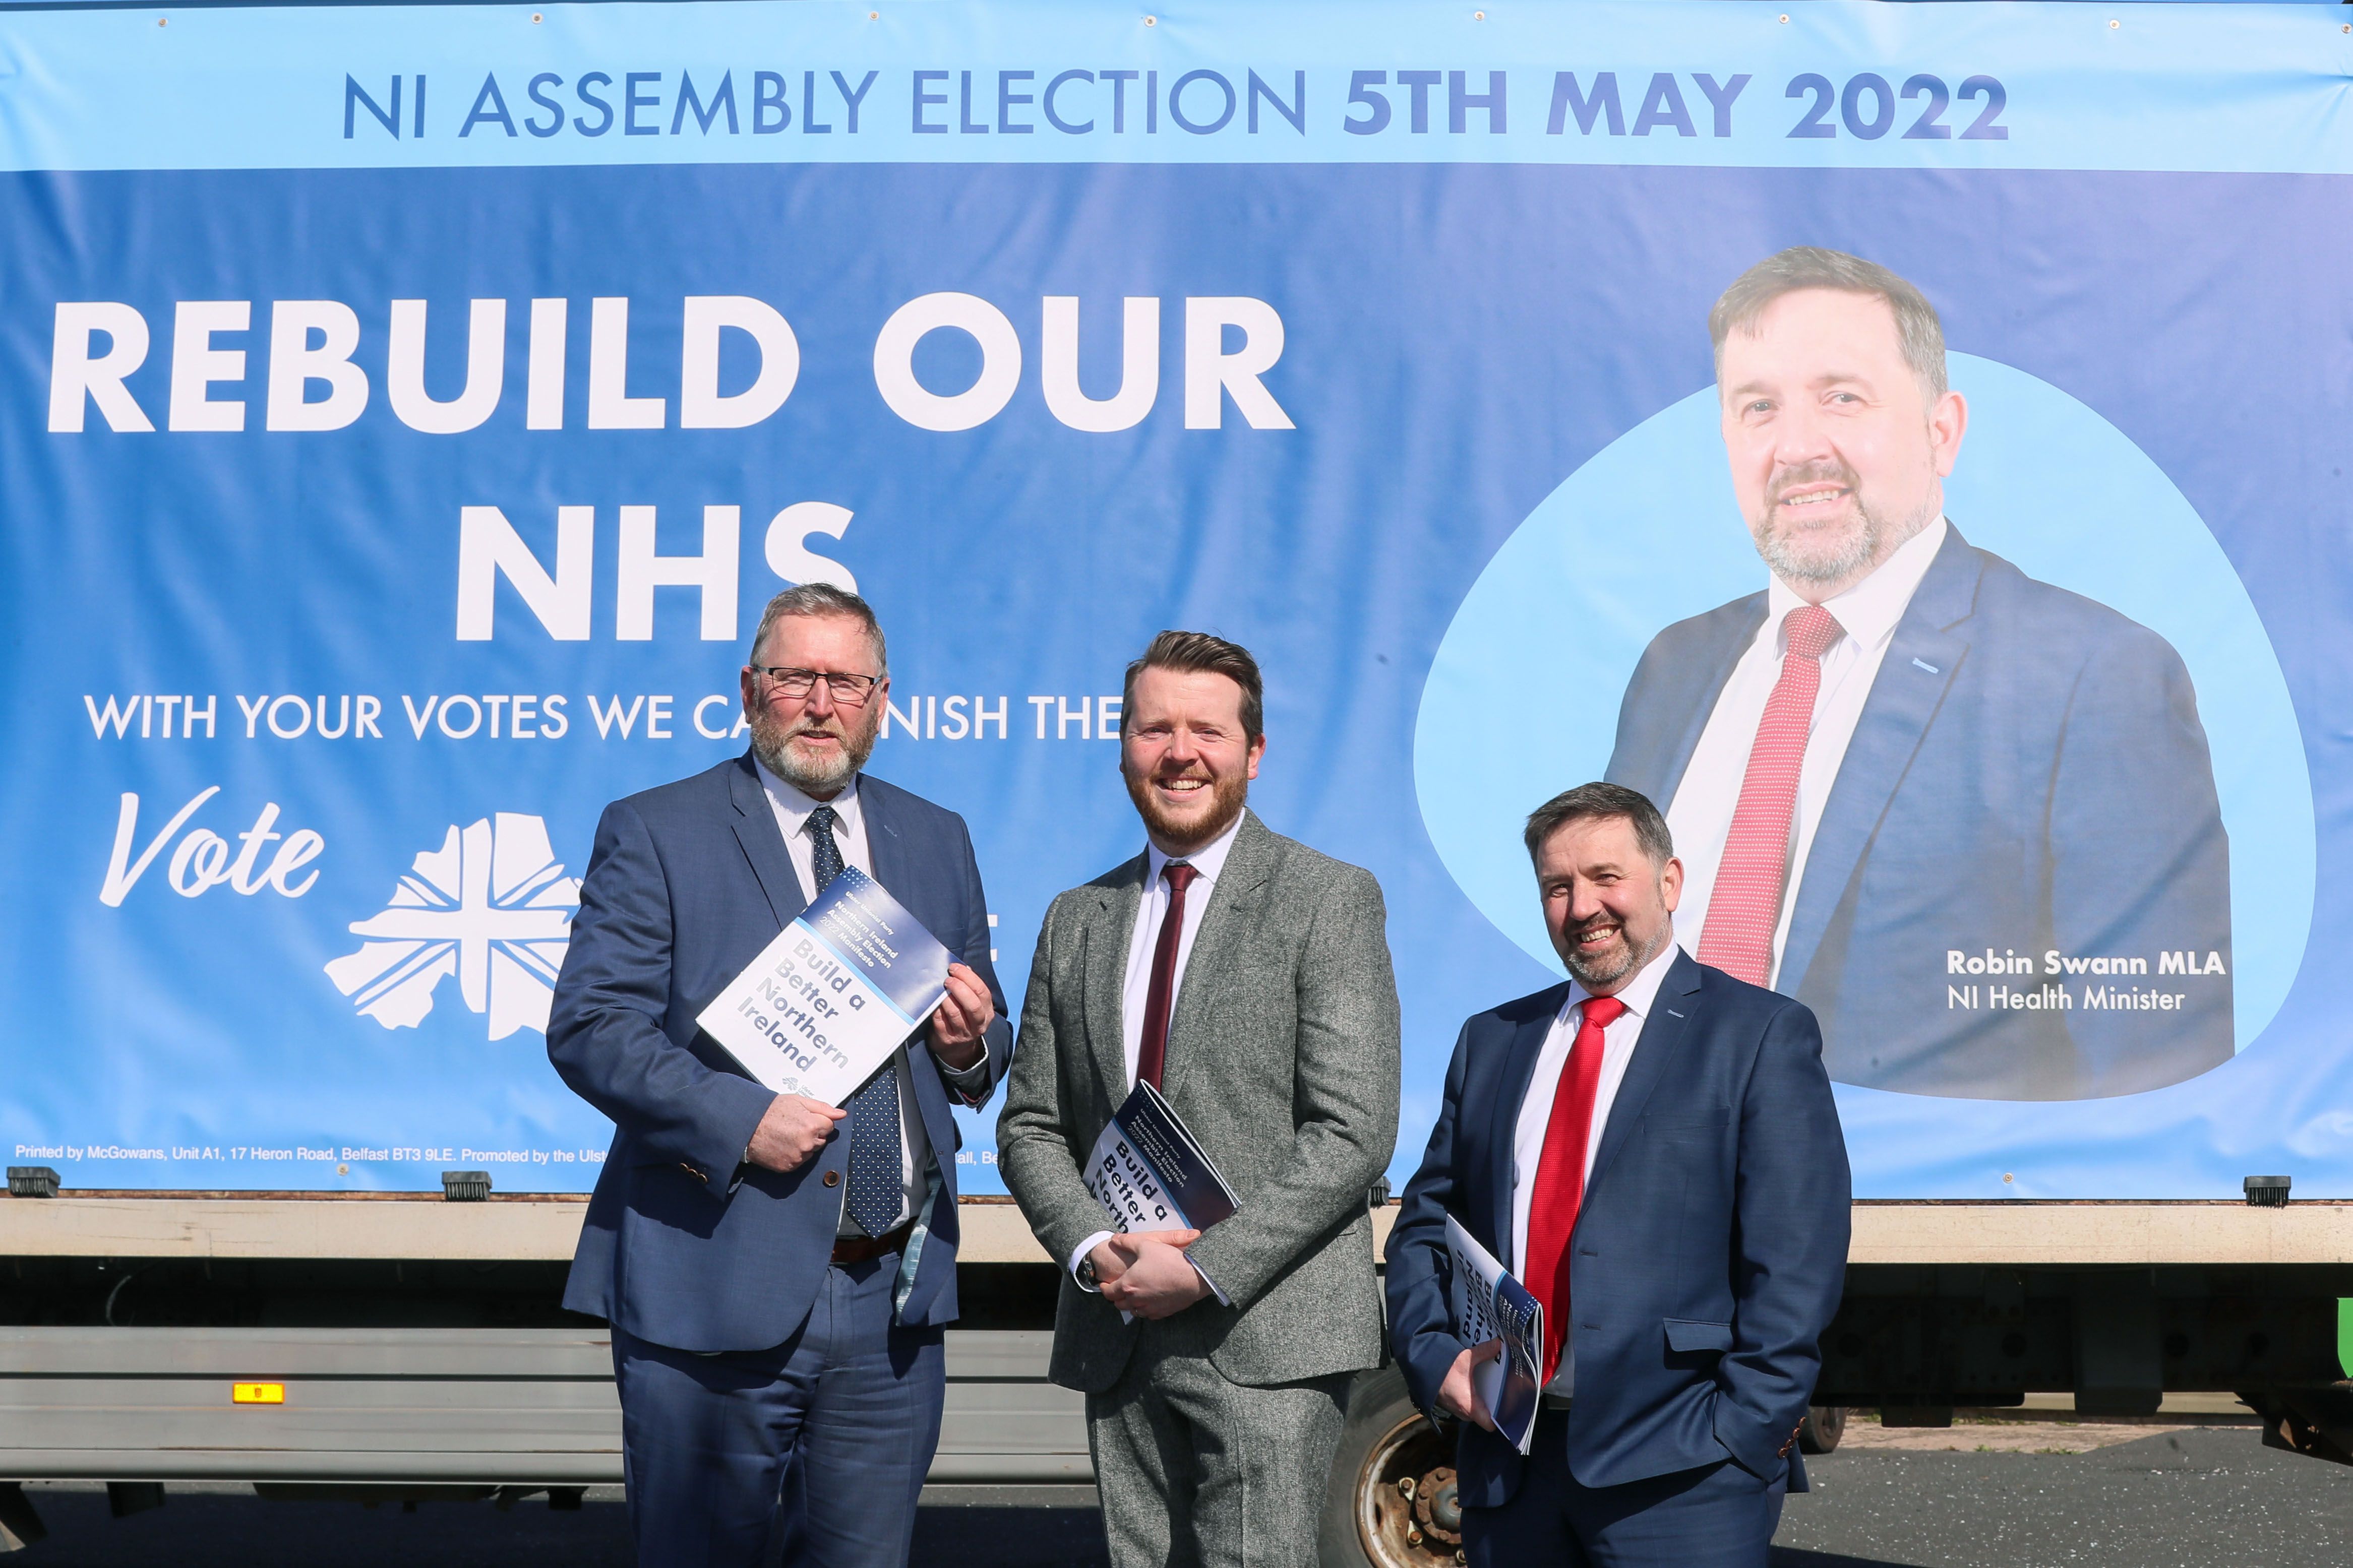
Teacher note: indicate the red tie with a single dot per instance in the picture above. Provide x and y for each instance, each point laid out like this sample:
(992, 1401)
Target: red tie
(1746, 907)
(1560, 1175)
(1152, 1054)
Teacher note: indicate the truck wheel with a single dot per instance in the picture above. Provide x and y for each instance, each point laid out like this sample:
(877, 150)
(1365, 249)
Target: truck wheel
(1390, 1502)
(1823, 1426)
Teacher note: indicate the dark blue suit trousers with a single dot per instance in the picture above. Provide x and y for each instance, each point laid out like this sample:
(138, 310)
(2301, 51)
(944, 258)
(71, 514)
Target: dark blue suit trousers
(1712, 1516)
(840, 1421)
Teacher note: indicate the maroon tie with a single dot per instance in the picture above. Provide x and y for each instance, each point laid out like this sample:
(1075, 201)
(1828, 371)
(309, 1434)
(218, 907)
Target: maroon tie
(1560, 1175)
(1746, 907)
(1152, 1053)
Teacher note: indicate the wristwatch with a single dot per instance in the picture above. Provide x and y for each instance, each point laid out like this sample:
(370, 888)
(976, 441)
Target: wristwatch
(1086, 1275)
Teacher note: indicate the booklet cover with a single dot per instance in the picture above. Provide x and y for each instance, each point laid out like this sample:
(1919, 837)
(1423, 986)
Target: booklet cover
(834, 995)
(1488, 1304)
(1149, 1174)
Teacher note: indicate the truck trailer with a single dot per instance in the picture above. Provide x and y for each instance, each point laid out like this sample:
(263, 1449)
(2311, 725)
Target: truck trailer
(403, 1346)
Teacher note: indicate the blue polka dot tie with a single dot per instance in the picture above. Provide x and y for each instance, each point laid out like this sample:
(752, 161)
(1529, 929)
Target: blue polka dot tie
(877, 1189)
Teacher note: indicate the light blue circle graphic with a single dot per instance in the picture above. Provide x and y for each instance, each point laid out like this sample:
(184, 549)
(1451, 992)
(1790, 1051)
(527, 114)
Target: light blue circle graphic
(1522, 699)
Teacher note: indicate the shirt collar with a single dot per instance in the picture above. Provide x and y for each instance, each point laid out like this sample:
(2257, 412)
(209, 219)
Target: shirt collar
(793, 805)
(1867, 611)
(1639, 993)
(1208, 860)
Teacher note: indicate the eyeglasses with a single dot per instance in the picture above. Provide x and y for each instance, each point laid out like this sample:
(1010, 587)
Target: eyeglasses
(847, 690)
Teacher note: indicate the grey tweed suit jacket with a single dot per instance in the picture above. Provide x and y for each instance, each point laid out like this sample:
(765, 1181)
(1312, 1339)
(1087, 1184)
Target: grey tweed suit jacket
(1282, 1058)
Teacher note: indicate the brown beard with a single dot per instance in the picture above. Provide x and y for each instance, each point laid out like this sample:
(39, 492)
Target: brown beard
(770, 735)
(1227, 795)
(1591, 975)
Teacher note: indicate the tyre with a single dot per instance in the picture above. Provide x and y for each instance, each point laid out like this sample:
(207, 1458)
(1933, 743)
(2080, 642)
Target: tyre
(1390, 1502)
(1823, 1426)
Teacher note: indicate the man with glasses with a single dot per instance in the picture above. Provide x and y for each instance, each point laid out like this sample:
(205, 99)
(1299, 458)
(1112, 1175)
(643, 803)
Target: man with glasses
(777, 1271)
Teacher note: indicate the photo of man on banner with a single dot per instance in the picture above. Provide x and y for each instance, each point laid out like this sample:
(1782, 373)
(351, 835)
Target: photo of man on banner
(1968, 817)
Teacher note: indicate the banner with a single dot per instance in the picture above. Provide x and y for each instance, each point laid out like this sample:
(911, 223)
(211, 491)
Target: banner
(404, 413)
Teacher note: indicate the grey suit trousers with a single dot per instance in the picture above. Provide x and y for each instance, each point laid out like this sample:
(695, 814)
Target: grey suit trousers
(1198, 1472)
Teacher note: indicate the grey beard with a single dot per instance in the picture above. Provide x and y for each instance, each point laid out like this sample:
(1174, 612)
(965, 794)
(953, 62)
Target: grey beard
(769, 745)
(1861, 553)
(1790, 567)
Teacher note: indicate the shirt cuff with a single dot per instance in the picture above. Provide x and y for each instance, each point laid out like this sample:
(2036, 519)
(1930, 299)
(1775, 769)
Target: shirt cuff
(1223, 1299)
(1078, 1255)
(971, 1082)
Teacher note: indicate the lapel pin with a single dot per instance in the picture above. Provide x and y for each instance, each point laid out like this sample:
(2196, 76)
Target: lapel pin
(1926, 665)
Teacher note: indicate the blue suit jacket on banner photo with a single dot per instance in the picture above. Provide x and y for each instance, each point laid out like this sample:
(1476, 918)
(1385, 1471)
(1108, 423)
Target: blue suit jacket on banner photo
(2029, 774)
(1709, 1251)
(686, 885)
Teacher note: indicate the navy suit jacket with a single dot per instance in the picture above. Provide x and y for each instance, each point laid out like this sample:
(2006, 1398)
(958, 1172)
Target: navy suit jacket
(2028, 775)
(687, 883)
(1710, 1249)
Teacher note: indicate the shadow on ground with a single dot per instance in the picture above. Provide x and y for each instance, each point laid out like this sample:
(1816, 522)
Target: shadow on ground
(2201, 1495)
(215, 1530)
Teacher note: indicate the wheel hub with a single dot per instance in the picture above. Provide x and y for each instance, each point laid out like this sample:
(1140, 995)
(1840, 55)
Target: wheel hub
(1409, 1512)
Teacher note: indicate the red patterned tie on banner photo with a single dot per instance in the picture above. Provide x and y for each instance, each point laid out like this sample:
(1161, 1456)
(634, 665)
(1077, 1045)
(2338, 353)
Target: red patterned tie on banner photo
(1746, 908)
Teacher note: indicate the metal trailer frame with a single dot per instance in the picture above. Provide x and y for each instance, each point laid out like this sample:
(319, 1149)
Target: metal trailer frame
(1947, 1305)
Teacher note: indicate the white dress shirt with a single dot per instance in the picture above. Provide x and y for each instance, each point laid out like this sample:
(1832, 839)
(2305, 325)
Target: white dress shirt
(1135, 995)
(1618, 1041)
(1700, 816)
(793, 809)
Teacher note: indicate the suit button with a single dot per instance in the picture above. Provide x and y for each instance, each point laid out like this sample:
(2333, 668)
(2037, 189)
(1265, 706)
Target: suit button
(833, 1178)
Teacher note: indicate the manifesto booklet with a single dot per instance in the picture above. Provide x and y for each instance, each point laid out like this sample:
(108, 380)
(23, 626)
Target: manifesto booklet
(1488, 1304)
(837, 991)
(1149, 1174)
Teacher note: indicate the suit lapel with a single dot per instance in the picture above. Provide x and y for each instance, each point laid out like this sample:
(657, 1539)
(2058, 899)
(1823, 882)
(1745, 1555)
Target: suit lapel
(1109, 926)
(764, 845)
(1654, 1052)
(1510, 1094)
(894, 865)
(892, 855)
(1922, 659)
(1720, 660)
(1219, 946)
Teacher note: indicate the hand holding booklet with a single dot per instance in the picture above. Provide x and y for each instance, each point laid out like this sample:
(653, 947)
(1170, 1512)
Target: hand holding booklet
(1149, 1173)
(1488, 1304)
(837, 992)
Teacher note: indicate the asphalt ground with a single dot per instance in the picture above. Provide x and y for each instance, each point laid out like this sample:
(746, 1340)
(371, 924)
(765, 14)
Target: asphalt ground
(2188, 1497)
(2192, 1498)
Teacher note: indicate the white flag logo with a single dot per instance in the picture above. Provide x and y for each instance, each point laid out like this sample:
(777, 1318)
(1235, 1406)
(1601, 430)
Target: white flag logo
(491, 906)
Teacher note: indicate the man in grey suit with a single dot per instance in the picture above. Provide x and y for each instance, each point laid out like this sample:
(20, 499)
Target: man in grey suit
(1249, 978)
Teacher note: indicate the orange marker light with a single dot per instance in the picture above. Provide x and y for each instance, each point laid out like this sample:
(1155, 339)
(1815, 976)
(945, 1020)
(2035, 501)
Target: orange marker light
(256, 1393)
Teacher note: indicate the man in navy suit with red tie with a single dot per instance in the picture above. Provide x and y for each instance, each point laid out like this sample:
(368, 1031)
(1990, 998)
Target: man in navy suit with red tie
(1652, 1149)
(1905, 752)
